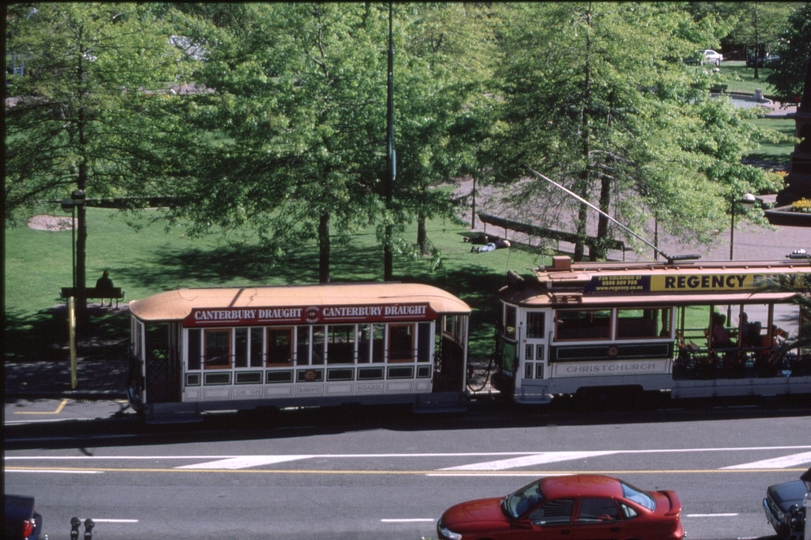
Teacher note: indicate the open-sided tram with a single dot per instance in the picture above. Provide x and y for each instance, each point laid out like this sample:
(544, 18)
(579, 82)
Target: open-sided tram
(231, 348)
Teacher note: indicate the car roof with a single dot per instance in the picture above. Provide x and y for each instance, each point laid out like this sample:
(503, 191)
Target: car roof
(582, 485)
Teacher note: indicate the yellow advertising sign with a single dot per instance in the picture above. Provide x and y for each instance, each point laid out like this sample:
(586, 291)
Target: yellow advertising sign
(720, 282)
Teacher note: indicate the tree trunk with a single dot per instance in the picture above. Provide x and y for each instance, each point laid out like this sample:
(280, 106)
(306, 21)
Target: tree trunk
(422, 235)
(323, 248)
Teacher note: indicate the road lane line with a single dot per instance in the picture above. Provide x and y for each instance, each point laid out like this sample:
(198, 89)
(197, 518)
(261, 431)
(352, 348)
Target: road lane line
(525, 461)
(389, 472)
(710, 515)
(776, 463)
(57, 411)
(411, 520)
(53, 471)
(103, 520)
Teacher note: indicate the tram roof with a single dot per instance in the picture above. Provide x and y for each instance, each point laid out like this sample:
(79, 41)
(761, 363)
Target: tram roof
(603, 283)
(178, 304)
(584, 271)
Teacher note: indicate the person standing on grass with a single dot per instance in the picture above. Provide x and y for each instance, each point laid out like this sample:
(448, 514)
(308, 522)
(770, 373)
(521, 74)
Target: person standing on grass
(104, 283)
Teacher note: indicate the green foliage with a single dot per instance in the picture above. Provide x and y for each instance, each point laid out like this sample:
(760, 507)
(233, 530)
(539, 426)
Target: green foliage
(86, 113)
(602, 102)
(794, 48)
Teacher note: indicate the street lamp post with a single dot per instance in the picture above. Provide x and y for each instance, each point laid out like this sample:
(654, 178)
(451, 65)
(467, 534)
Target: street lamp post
(748, 200)
(69, 205)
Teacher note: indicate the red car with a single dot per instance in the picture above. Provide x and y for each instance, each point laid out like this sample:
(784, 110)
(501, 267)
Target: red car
(577, 507)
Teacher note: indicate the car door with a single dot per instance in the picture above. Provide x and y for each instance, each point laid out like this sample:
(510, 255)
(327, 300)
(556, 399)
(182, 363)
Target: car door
(598, 518)
(551, 520)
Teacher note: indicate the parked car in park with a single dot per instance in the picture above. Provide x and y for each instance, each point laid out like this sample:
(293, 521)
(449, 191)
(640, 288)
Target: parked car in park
(587, 507)
(709, 56)
(762, 61)
(22, 521)
(783, 506)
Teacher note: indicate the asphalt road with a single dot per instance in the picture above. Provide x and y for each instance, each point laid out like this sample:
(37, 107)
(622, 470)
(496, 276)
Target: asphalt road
(367, 473)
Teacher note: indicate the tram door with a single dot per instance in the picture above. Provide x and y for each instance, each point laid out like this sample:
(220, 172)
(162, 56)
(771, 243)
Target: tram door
(162, 363)
(533, 344)
(449, 358)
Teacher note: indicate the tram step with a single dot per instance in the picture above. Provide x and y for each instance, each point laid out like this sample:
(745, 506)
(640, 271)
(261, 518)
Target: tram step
(432, 406)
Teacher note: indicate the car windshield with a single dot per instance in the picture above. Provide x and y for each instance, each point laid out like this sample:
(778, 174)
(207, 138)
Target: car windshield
(638, 496)
(523, 500)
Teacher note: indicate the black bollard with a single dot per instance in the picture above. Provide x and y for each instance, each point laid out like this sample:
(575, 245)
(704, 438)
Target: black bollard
(74, 528)
(88, 529)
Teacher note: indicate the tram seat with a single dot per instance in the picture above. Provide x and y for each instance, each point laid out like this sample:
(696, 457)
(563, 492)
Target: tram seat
(95, 293)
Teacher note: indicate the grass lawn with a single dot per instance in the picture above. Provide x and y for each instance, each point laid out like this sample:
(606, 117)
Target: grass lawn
(742, 79)
(151, 260)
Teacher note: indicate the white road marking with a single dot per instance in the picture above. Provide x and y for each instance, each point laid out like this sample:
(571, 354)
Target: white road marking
(414, 520)
(242, 462)
(526, 461)
(710, 515)
(776, 463)
(102, 520)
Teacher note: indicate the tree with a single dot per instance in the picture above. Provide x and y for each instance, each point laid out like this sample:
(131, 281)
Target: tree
(794, 50)
(758, 27)
(293, 138)
(299, 114)
(596, 96)
(84, 116)
(445, 66)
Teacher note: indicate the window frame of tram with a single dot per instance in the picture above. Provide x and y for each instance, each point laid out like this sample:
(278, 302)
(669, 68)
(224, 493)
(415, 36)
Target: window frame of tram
(274, 347)
(534, 344)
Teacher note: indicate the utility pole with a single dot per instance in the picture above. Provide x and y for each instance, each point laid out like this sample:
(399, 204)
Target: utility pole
(391, 159)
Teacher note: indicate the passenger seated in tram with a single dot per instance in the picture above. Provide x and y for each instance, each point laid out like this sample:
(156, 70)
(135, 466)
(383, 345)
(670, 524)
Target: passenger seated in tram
(719, 332)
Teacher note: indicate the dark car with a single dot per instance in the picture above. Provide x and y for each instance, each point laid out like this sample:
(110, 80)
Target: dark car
(22, 521)
(783, 506)
(587, 507)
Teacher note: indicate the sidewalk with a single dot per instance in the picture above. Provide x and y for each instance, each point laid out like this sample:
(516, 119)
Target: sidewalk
(101, 369)
(97, 379)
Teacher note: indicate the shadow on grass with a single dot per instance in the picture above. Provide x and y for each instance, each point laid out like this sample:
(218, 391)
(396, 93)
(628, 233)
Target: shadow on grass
(172, 269)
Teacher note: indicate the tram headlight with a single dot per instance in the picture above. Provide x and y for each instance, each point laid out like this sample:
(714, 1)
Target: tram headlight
(446, 533)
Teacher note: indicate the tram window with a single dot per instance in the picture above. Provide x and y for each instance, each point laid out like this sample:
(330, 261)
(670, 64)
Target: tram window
(364, 343)
(240, 347)
(509, 321)
(401, 342)
(641, 323)
(257, 347)
(280, 346)
(583, 324)
(535, 324)
(341, 344)
(194, 349)
(424, 342)
(303, 345)
(378, 343)
(218, 349)
(318, 344)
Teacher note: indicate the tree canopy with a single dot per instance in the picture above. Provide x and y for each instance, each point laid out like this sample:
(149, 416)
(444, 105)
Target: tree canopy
(601, 101)
(278, 131)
